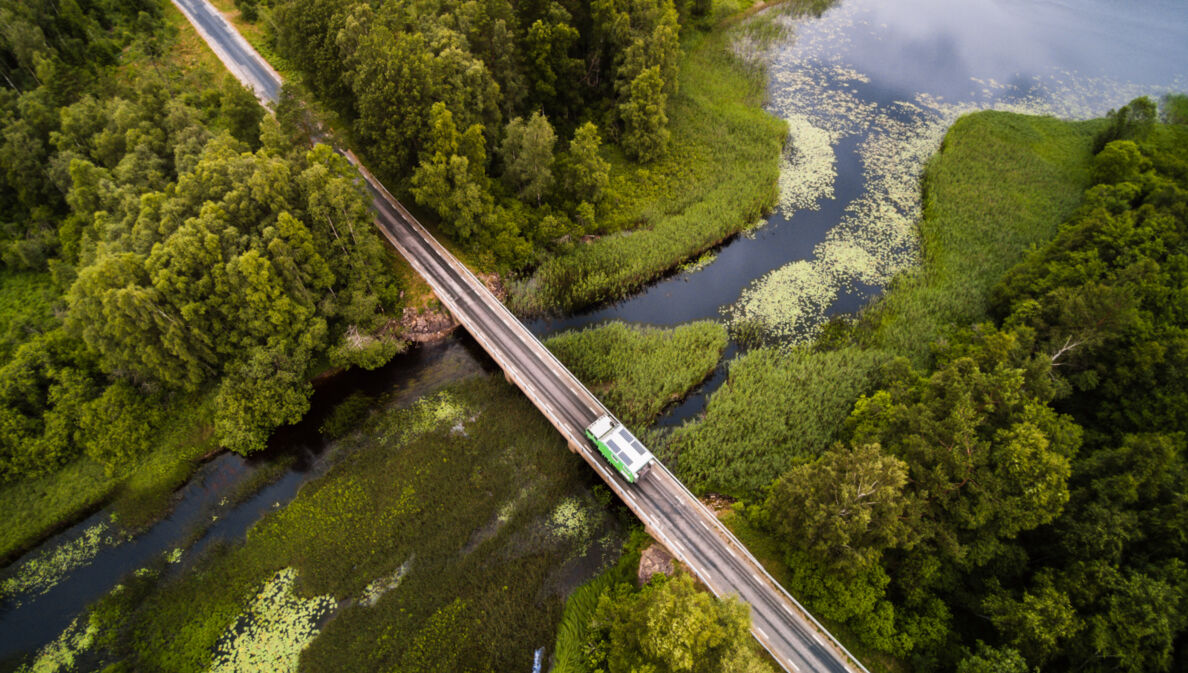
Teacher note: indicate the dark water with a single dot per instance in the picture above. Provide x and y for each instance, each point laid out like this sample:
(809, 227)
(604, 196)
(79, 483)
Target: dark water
(202, 510)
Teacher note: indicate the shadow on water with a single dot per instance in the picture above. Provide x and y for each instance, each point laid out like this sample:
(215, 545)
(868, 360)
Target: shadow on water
(202, 510)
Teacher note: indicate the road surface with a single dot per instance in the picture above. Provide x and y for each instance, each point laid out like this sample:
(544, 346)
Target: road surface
(670, 513)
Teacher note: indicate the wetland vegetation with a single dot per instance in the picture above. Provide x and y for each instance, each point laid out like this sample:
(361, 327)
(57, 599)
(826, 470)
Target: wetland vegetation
(1007, 385)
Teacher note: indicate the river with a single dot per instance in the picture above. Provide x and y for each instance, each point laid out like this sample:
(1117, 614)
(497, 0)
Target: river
(868, 89)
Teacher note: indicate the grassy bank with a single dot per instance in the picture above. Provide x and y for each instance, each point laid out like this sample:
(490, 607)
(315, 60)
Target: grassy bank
(718, 178)
(139, 491)
(1001, 184)
(637, 371)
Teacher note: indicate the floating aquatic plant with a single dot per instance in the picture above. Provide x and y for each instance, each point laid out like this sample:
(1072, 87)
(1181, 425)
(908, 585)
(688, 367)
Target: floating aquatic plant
(273, 631)
(428, 413)
(571, 521)
(808, 166)
(43, 571)
(61, 653)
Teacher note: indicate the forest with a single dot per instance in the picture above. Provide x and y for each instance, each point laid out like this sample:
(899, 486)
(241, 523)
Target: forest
(169, 250)
(492, 114)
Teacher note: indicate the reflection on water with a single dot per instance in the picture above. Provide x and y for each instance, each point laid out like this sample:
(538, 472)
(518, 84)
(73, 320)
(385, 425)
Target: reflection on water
(894, 78)
(28, 620)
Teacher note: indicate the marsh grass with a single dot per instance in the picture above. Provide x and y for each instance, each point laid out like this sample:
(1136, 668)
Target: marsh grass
(637, 371)
(1000, 185)
(777, 408)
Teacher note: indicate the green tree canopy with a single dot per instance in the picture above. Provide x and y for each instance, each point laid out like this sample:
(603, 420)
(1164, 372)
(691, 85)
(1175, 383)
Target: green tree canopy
(527, 152)
(671, 627)
(845, 508)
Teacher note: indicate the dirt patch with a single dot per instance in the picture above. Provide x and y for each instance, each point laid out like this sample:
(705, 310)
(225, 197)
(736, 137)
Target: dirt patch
(654, 560)
(495, 285)
(426, 325)
(717, 503)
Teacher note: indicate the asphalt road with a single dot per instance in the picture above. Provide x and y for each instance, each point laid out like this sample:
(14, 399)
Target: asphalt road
(672, 514)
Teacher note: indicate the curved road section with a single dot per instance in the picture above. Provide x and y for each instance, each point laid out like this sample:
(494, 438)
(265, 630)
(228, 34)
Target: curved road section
(669, 511)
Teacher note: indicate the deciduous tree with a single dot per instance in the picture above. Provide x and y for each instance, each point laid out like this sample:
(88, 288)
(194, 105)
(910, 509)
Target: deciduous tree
(845, 508)
(527, 152)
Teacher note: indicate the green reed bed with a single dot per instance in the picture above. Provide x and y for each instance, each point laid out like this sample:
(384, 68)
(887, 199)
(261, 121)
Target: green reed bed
(1001, 184)
(638, 371)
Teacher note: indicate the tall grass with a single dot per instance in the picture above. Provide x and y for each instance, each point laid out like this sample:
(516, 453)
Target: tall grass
(637, 371)
(777, 408)
(1000, 185)
(718, 178)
